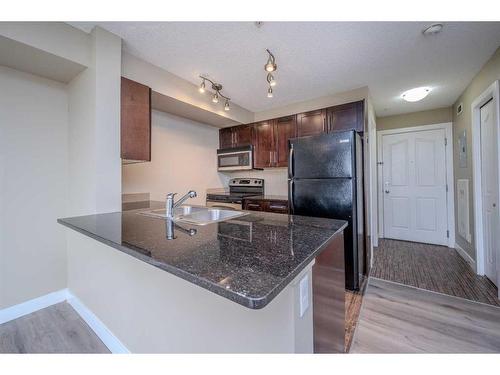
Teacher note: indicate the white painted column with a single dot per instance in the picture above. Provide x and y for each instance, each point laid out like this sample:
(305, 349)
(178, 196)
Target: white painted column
(94, 130)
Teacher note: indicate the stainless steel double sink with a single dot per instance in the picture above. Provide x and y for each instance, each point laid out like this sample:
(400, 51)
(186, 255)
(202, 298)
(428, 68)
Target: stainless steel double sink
(197, 215)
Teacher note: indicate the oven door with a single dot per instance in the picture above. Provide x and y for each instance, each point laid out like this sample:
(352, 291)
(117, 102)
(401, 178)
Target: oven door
(235, 159)
(224, 205)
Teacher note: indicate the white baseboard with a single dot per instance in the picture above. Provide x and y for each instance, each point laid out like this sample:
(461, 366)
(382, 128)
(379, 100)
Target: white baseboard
(100, 329)
(467, 257)
(35, 304)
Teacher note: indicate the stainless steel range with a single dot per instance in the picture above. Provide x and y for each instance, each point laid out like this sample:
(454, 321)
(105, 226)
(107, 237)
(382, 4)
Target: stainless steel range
(238, 189)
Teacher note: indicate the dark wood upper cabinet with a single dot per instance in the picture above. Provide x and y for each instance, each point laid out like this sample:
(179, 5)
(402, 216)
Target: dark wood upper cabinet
(243, 135)
(348, 116)
(263, 144)
(135, 121)
(226, 138)
(284, 129)
(235, 136)
(311, 123)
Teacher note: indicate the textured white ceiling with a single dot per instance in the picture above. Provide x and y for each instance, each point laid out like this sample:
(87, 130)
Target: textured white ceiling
(317, 58)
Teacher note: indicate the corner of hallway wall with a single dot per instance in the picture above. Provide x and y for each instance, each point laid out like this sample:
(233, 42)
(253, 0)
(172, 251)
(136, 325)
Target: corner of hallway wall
(406, 120)
(94, 130)
(489, 73)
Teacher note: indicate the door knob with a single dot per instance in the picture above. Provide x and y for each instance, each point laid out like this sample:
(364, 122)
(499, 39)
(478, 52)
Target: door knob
(387, 191)
(494, 204)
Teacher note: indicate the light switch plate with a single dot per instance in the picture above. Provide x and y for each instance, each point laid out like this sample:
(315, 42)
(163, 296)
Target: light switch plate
(304, 295)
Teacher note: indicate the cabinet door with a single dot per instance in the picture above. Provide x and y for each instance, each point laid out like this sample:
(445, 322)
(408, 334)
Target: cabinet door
(226, 138)
(311, 123)
(348, 116)
(135, 121)
(263, 144)
(242, 135)
(279, 207)
(285, 128)
(252, 205)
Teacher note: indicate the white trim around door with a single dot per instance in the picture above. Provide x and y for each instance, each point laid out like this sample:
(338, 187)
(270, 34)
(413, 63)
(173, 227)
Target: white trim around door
(447, 127)
(491, 93)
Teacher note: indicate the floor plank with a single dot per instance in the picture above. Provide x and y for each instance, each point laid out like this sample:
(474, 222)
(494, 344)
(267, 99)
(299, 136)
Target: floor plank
(55, 329)
(400, 319)
(353, 300)
(431, 267)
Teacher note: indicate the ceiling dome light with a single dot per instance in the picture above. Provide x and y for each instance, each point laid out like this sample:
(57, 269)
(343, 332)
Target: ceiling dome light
(226, 106)
(270, 92)
(215, 99)
(433, 29)
(202, 87)
(416, 94)
(271, 80)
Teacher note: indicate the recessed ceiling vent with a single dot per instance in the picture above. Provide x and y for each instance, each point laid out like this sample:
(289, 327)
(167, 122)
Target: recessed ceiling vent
(460, 109)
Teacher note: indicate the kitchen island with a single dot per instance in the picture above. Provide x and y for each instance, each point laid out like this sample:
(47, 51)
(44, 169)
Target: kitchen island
(241, 285)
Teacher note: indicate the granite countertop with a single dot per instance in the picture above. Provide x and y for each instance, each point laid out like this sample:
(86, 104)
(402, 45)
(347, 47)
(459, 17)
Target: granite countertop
(282, 198)
(248, 260)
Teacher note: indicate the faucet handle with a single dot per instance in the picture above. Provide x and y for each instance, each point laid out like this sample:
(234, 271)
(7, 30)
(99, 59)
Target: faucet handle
(171, 195)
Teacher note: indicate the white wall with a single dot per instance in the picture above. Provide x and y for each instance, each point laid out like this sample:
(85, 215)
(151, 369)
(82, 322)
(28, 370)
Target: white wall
(183, 157)
(94, 135)
(33, 186)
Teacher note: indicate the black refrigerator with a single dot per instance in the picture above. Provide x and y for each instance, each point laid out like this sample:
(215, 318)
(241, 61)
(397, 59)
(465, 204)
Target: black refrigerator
(325, 180)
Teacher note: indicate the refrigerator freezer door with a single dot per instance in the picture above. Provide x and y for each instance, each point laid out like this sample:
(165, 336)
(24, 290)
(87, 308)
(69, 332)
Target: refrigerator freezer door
(322, 156)
(330, 198)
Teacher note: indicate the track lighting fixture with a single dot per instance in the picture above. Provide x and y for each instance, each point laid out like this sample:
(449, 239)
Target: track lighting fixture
(270, 66)
(217, 87)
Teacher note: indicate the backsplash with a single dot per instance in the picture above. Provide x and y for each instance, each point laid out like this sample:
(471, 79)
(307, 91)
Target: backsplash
(276, 179)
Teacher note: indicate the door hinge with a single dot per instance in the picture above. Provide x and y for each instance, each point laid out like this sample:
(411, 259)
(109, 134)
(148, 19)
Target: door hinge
(380, 163)
(447, 234)
(446, 141)
(446, 187)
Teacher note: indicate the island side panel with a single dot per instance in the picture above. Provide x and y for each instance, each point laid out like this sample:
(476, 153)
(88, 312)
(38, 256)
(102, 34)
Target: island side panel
(152, 311)
(329, 298)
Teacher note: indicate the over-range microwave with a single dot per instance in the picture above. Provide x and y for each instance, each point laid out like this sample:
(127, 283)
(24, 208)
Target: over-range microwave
(235, 159)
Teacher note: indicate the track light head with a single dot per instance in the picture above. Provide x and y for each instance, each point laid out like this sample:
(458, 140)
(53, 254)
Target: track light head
(271, 63)
(270, 92)
(202, 87)
(271, 80)
(215, 98)
(226, 106)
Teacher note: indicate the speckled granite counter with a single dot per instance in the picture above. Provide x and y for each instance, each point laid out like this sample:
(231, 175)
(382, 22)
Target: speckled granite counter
(248, 260)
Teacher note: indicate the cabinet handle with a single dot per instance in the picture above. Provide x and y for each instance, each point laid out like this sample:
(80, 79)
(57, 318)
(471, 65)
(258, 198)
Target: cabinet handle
(270, 158)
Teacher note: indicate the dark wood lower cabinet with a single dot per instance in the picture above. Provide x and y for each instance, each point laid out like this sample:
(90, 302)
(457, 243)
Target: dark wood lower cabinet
(328, 284)
(278, 206)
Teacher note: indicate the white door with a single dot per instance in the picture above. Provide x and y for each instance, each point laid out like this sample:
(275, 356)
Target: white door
(489, 182)
(414, 186)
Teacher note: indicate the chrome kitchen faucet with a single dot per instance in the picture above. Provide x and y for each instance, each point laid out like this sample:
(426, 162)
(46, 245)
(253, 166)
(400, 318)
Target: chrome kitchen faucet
(170, 205)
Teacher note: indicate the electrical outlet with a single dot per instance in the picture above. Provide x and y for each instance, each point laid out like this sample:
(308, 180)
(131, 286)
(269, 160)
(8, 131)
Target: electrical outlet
(304, 295)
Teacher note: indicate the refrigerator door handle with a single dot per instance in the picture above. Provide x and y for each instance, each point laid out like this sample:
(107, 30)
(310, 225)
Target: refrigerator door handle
(290, 162)
(290, 196)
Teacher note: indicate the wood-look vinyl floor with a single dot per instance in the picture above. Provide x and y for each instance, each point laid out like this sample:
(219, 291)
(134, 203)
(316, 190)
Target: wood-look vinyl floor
(55, 329)
(431, 267)
(353, 301)
(397, 318)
